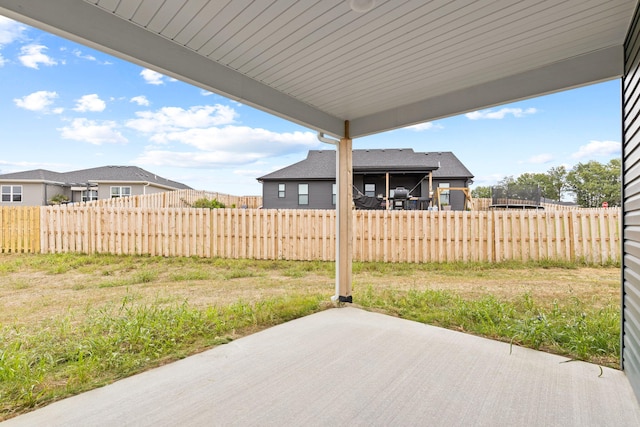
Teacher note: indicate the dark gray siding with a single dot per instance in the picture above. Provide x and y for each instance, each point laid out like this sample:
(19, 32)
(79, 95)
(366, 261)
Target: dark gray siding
(320, 193)
(631, 208)
(379, 181)
(456, 197)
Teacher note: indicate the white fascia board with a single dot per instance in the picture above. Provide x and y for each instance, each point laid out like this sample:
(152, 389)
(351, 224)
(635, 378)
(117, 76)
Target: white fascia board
(89, 25)
(31, 181)
(598, 66)
(115, 183)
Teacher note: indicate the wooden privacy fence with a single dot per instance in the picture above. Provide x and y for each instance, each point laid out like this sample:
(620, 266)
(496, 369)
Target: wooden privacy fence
(484, 204)
(20, 229)
(178, 199)
(418, 236)
(395, 236)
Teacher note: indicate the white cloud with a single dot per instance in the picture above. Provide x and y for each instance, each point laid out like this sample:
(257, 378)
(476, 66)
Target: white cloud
(170, 119)
(33, 55)
(10, 30)
(209, 138)
(152, 77)
(195, 159)
(36, 101)
(598, 149)
(424, 126)
(228, 146)
(20, 166)
(487, 180)
(93, 132)
(79, 54)
(251, 173)
(90, 103)
(140, 100)
(232, 146)
(500, 114)
(242, 139)
(540, 159)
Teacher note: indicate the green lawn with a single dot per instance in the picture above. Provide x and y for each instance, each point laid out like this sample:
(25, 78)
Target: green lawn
(74, 322)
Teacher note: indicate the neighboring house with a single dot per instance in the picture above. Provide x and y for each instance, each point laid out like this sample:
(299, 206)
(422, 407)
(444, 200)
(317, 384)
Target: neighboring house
(39, 187)
(310, 183)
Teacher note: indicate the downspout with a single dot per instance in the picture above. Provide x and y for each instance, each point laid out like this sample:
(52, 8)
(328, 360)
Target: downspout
(326, 140)
(144, 188)
(334, 142)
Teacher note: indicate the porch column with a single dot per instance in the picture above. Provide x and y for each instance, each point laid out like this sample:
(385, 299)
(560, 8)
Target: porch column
(387, 192)
(431, 184)
(344, 223)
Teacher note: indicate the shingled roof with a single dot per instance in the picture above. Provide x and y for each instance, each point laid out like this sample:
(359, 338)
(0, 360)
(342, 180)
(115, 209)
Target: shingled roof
(103, 173)
(321, 164)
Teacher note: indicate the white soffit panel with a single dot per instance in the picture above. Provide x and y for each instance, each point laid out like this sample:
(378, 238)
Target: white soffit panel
(319, 63)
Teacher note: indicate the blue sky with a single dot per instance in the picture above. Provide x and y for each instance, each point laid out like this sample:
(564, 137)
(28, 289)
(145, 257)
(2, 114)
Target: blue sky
(65, 106)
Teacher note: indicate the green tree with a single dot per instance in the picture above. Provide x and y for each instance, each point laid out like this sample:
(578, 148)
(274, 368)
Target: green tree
(506, 181)
(594, 183)
(533, 180)
(481, 192)
(551, 184)
(557, 183)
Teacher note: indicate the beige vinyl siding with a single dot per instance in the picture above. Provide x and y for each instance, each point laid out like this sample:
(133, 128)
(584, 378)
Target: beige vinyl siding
(631, 208)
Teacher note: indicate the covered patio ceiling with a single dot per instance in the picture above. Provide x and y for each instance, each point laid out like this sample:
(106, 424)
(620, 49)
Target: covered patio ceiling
(319, 63)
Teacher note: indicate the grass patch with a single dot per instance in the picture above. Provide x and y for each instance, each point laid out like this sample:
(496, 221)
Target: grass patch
(238, 274)
(55, 359)
(145, 276)
(74, 322)
(573, 328)
(186, 276)
(114, 283)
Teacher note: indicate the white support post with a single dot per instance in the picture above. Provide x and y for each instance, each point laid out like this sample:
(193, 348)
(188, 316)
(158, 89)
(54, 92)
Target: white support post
(387, 192)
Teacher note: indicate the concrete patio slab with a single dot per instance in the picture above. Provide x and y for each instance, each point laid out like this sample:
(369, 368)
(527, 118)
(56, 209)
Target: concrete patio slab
(348, 366)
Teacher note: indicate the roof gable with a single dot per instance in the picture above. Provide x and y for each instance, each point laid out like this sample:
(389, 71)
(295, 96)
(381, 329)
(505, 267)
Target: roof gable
(392, 159)
(321, 164)
(449, 166)
(100, 174)
(35, 175)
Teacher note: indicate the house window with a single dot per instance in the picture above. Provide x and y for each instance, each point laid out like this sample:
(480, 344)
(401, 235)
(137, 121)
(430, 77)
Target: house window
(444, 194)
(89, 195)
(12, 193)
(281, 191)
(370, 190)
(120, 192)
(333, 194)
(303, 194)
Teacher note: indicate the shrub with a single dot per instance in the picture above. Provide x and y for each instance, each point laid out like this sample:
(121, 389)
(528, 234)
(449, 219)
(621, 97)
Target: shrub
(58, 199)
(208, 204)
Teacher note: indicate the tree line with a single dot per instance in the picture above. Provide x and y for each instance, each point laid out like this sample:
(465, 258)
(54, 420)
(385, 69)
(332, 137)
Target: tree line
(588, 184)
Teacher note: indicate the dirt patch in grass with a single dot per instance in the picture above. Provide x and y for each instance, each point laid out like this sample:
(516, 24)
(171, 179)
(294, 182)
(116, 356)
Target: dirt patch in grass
(39, 287)
(598, 285)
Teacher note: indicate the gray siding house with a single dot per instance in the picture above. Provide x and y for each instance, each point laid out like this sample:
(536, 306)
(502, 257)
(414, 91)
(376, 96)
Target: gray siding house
(377, 173)
(39, 186)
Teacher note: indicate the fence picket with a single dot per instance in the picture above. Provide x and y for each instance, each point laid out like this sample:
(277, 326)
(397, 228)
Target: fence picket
(397, 236)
